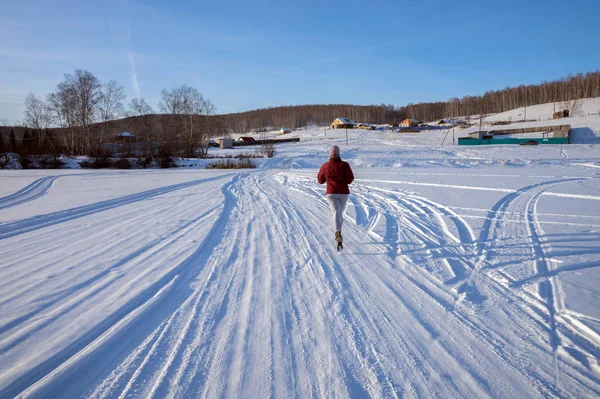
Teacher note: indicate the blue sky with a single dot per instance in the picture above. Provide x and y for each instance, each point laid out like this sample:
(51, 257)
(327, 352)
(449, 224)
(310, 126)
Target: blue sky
(244, 55)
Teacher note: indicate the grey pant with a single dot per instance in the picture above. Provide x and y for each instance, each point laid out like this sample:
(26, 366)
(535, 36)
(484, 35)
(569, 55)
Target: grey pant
(337, 203)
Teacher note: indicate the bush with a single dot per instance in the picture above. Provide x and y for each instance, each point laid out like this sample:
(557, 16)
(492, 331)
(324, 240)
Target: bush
(122, 163)
(10, 161)
(166, 161)
(242, 163)
(26, 163)
(47, 161)
(96, 163)
(269, 150)
(144, 162)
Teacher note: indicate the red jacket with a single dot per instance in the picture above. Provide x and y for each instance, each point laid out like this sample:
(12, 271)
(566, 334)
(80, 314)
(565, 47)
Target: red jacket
(337, 174)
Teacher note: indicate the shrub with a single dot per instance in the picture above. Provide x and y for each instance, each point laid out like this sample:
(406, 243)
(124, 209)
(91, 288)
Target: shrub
(269, 150)
(122, 163)
(101, 162)
(26, 163)
(166, 161)
(48, 161)
(10, 161)
(144, 162)
(242, 163)
(96, 163)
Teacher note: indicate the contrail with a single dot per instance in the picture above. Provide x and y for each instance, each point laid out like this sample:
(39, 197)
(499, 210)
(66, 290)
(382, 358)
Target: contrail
(134, 81)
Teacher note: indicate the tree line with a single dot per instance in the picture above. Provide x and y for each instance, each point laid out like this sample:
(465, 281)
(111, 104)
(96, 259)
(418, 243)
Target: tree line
(82, 113)
(562, 90)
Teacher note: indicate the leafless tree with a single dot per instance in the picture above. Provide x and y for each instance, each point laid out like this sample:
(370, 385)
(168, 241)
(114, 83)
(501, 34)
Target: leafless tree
(111, 104)
(39, 117)
(76, 105)
(575, 107)
(141, 112)
(189, 112)
(139, 106)
(62, 106)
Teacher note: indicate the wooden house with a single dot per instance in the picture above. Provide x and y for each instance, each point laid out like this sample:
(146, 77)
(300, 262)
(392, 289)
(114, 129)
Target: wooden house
(366, 126)
(446, 122)
(342, 123)
(561, 114)
(410, 123)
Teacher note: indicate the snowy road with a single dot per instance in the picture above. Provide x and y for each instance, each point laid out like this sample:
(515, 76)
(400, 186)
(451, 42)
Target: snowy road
(216, 284)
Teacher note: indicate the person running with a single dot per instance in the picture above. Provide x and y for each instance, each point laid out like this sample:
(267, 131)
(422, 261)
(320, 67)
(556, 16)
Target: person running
(338, 175)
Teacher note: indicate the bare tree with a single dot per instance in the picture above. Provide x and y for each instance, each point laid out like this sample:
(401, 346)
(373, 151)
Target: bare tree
(575, 107)
(111, 104)
(39, 117)
(189, 112)
(76, 105)
(139, 106)
(142, 112)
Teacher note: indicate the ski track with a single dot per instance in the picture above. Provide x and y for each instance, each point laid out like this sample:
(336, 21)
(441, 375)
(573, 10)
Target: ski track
(35, 190)
(416, 305)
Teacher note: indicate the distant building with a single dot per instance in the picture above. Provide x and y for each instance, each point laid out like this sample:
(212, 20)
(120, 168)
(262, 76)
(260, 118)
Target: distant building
(366, 126)
(342, 123)
(246, 139)
(225, 143)
(285, 130)
(410, 123)
(125, 137)
(446, 122)
(561, 114)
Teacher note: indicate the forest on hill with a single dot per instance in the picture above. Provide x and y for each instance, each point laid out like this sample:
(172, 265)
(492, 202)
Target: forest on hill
(494, 101)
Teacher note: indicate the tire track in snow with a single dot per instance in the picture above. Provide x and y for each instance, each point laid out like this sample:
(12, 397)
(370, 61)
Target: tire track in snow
(155, 378)
(70, 362)
(499, 351)
(35, 190)
(356, 340)
(12, 229)
(267, 303)
(422, 221)
(76, 247)
(549, 287)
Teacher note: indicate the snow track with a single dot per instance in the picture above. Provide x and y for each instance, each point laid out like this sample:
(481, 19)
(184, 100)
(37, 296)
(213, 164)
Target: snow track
(241, 293)
(29, 193)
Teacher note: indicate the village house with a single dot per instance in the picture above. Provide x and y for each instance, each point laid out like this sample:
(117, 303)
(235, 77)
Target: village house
(366, 126)
(446, 122)
(342, 123)
(410, 123)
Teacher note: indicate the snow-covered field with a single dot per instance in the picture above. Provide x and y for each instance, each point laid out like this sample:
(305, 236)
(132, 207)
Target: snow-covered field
(468, 272)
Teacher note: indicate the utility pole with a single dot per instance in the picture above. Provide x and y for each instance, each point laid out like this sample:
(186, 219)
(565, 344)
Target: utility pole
(452, 133)
(525, 116)
(346, 135)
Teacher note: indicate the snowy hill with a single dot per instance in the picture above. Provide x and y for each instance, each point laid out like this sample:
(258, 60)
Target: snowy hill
(585, 123)
(542, 112)
(467, 272)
